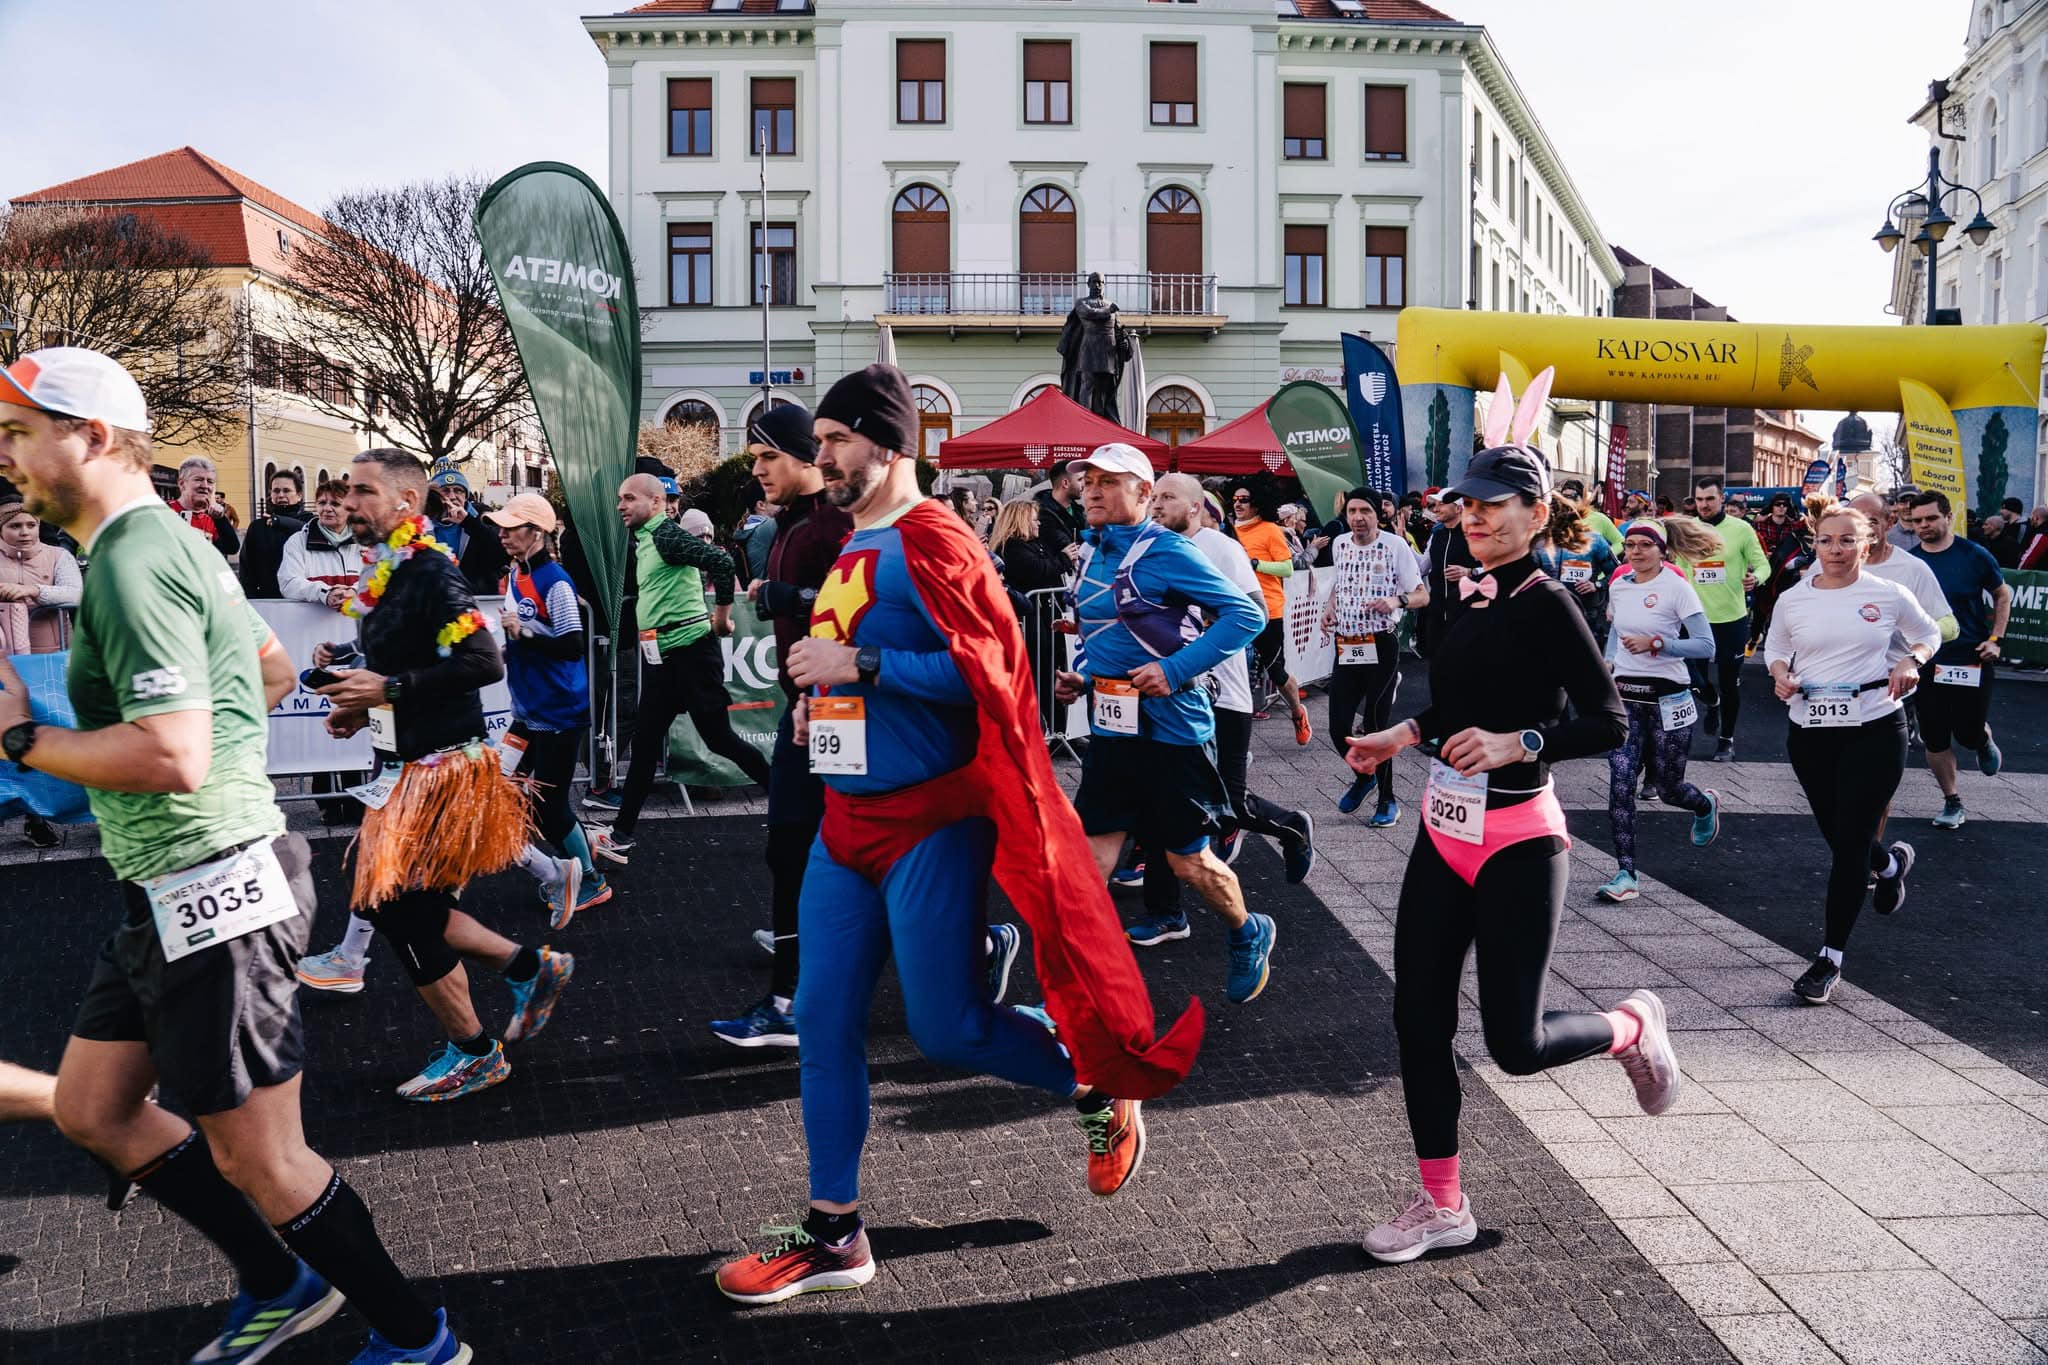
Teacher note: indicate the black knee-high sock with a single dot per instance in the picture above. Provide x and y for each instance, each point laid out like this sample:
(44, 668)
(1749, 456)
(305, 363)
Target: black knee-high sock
(338, 1238)
(185, 1181)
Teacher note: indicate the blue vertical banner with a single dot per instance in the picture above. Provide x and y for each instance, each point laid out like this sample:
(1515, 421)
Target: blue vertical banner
(1841, 478)
(1374, 398)
(1816, 478)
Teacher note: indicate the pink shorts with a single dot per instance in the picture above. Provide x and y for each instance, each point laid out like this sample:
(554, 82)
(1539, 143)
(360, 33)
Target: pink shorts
(1540, 817)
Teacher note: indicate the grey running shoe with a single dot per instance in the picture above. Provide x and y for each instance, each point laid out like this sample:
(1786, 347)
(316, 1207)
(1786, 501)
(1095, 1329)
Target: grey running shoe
(1952, 815)
(1890, 892)
(1422, 1227)
(1651, 1065)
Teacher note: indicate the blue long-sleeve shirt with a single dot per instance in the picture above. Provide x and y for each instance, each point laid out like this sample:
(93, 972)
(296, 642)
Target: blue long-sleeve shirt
(1171, 573)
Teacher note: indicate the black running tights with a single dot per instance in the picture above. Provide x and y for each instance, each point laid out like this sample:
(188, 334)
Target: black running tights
(1510, 918)
(1370, 686)
(1849, 776)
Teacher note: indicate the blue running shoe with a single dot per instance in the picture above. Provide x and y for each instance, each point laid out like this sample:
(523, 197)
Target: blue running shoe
(1007, 941)
(453, 1073)
(596, 890)
(1354, 795)
(1230, 845)
(1251, 958)
(1388, 813)
(256, 1327)
(1147, 933)
(1706, 828)
(1299, 852)
(762, 1026)
(1989, 759)
(1039, 1017)
(1128, 877)
(1622, 886)
(444, 1349)
(604, 803)
(533, 1002)
(1952, 813)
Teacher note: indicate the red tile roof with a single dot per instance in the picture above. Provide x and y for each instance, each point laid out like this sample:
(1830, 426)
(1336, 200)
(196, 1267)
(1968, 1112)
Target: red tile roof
(219, 209)
(1377, 12)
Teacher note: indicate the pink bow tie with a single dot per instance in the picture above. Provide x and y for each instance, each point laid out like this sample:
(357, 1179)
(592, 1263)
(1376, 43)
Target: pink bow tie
(1470, 586)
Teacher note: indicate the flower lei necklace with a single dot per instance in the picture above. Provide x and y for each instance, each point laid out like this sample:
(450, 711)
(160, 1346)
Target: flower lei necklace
(407, 538)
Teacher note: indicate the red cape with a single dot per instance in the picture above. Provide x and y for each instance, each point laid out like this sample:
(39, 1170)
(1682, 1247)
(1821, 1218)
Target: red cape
(1093, 989)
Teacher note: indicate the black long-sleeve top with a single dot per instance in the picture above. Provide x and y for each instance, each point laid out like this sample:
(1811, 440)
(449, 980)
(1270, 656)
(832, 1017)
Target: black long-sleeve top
(439, 705)
(1510, 663)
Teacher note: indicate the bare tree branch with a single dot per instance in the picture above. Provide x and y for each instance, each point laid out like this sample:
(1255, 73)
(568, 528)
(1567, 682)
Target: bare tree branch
(123, 285)
(399, 296)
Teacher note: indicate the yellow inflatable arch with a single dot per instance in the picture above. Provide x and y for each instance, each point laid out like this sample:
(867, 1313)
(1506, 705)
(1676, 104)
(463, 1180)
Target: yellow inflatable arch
(1970, 395)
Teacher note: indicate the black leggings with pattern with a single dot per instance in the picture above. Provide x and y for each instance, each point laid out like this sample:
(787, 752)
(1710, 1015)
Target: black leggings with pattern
(1647, 737)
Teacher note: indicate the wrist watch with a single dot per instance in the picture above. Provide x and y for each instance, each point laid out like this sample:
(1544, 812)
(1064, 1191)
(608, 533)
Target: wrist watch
(867, 661)
(1656, 644)
(18, 740)
(394, 688)
(1532, 742)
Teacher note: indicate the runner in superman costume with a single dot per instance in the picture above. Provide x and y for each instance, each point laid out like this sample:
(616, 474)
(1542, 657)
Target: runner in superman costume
(920, 717)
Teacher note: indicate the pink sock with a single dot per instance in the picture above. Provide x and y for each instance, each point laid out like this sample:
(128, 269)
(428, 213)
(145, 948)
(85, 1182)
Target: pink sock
(1440, 1179)
(1627, 1028)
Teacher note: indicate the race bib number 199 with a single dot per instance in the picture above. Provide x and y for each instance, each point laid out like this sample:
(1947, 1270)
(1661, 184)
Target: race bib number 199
(839, 735)
(221, 900)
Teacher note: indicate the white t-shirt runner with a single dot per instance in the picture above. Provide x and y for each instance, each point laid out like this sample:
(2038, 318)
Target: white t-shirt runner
(1384, 568)
(1910, 572)
(1836, 638)
(1233, 675)
(1657, 607)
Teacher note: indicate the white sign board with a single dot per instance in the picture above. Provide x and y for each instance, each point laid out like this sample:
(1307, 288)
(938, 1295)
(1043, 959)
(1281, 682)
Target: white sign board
(299, 742)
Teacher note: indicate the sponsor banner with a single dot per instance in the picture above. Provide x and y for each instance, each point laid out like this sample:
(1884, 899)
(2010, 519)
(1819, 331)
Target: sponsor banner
(751, 665)
(1331, 375)
(299, 742)
(2026, 631)
(1934, 449)
(723, 377)
(1311, 654)
(1374, 398)
(1315, 430)
(1816, 475)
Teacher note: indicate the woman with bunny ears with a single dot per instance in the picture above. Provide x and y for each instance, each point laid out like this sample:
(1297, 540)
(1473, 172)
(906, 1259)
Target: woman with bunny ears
(1491, 861)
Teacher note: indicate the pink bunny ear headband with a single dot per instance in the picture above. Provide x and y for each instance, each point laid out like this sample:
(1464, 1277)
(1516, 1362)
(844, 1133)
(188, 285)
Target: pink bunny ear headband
(1512, 423)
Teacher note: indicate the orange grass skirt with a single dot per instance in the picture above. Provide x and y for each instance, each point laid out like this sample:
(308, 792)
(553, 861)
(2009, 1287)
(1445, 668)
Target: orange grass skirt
(453, 817)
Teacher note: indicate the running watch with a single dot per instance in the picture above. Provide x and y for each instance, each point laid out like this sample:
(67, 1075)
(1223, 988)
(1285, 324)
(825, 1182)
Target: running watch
(867, 661)
(1532, 742)
(393, 689)
(18, 740)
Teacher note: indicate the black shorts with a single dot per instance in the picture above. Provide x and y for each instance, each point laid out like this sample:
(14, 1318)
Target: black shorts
(1169, 795)
(220, 1022)
(1950, 714)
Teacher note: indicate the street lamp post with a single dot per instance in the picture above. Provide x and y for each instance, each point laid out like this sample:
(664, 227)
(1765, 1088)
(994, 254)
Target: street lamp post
(1927, 241)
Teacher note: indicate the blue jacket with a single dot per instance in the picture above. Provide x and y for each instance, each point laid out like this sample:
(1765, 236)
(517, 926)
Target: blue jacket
(1173, 575)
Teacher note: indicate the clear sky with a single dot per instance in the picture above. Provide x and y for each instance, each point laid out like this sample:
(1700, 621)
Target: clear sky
(1747, 147)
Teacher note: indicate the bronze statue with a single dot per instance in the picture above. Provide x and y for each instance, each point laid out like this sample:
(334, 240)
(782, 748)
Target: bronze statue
(1093, 350)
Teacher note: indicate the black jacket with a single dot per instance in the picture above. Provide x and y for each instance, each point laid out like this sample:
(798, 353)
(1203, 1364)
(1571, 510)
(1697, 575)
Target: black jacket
(482, 556)
(1057, 526)
(1446, 547)
(263, 549)
(438, 705)
(1029, 566)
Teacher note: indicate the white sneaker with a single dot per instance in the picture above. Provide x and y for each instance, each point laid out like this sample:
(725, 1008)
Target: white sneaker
(764, 939)
(1651, 1064)
(612, 847)
(1422, 1227)
(332, 971)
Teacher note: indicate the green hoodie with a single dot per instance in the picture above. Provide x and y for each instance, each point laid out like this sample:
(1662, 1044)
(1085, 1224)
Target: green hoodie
(1718, 579)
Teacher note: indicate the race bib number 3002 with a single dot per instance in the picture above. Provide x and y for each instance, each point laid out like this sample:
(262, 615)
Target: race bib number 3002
(1676, 710)
(218, 901)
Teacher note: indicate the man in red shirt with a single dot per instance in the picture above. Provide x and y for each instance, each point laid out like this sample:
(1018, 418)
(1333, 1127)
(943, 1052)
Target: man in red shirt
(201, 505)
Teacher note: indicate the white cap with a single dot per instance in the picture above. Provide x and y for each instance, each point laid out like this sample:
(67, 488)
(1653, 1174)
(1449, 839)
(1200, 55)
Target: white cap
(71, 381)
(1115, 458)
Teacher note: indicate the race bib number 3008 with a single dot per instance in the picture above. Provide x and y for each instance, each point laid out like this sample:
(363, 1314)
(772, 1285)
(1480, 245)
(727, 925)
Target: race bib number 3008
(218, 901)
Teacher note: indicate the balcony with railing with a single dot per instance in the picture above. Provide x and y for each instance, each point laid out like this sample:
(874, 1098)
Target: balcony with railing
(956, 301)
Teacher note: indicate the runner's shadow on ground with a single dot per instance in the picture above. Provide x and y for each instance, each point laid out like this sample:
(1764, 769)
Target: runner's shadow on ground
(665, 1308)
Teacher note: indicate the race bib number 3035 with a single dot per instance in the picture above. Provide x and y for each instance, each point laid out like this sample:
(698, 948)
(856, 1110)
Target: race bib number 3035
(218, 901)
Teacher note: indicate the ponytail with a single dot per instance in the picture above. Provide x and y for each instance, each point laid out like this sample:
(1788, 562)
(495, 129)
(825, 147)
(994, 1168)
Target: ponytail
(1567, 528)
(1690, 539)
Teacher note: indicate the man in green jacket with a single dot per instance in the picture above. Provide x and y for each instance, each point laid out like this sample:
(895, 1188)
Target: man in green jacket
(682, 666)
(1723, 584)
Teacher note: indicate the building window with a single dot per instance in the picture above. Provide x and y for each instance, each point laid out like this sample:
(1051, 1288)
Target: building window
(1493, 295)
(1173, 249)
(1478, 141)
(1175, 78)
(689, 265)
(1304, 122)
(920, 80)
(1386, 123)
(774, 116)
(1032, 393)
(1512, 176)
(1047, 255)
(775, 264)
(1496, 168)
(690, 414)
(1174, 415)
(1997, 289)
(1386, 267)
(934, 419)
(1048, 82)
(921, 252)
(1307, 248)
(689, 118)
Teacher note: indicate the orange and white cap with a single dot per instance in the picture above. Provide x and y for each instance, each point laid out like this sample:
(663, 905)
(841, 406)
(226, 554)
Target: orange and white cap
(71, 381)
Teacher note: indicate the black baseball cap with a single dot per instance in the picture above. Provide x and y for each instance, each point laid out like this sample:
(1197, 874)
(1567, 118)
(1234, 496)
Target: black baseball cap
(1575, 487)
(1503, 472)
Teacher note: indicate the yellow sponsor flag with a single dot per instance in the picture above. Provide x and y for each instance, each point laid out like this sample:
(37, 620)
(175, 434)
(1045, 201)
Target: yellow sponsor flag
(1934, 448)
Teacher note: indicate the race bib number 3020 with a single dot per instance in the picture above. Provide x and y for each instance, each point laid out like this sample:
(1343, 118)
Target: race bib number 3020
(1455, 805)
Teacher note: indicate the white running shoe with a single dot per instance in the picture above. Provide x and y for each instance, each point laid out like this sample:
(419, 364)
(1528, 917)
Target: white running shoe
(1422, 1227)
(332, 971)
(1651, 1064)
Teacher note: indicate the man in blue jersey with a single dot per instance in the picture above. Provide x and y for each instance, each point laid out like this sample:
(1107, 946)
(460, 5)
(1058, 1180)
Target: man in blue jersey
(1150, 768)
(1955, 687)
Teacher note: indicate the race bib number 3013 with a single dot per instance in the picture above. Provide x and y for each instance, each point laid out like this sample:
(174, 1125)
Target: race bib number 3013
(1832, 707)
(218, 901)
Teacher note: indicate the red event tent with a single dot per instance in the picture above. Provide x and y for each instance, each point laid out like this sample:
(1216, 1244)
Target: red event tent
(1051, 427)
(1243, 445)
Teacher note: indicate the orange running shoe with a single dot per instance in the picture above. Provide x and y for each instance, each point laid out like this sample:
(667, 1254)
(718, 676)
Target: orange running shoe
(798, 1264)
(1116, 1145)
(1302, 734)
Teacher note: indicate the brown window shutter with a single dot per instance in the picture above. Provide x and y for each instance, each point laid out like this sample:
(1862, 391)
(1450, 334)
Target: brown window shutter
(920, 59)
(1386, 122)
(1304, 111)
(1386, 241)
(1173, 73)
(1048, 61)
(1307, 241)
(689, 94)
(774, 93)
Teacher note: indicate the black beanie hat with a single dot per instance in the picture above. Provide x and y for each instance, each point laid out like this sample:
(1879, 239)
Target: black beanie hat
(786, 428)
(876, 403)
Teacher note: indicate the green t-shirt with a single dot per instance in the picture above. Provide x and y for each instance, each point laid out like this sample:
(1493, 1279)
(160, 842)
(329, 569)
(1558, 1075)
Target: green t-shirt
(163, 627)
(1718, 579)
(1604, 528)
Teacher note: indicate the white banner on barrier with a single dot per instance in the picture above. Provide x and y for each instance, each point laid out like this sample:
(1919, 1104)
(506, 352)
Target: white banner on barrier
(1311, 654)
(299, 742)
